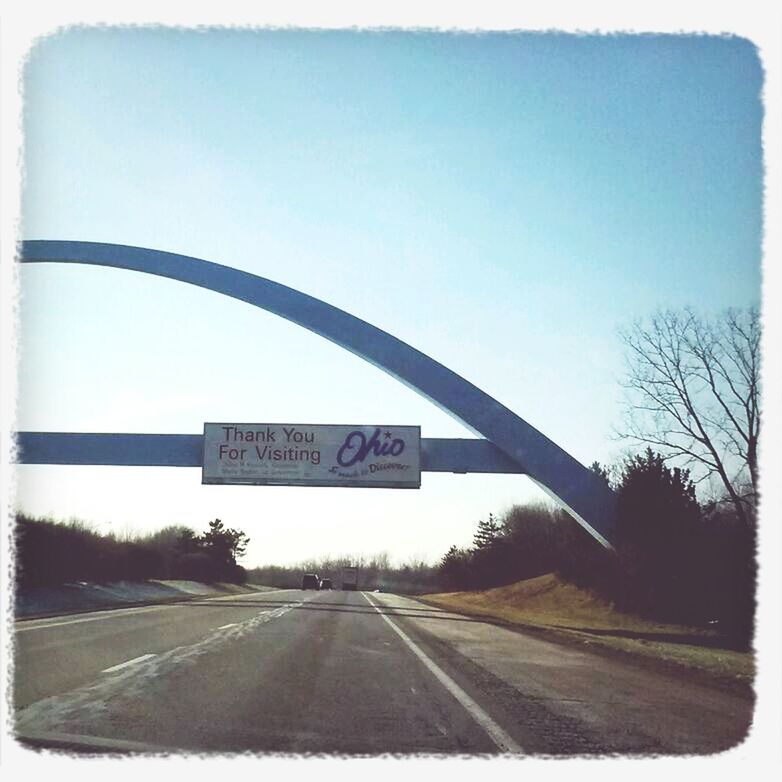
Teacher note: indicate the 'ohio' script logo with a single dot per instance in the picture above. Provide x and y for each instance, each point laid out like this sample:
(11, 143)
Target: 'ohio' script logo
(356, 447)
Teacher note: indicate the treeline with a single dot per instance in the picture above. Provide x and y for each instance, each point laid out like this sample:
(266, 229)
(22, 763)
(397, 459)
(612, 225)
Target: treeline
(49, 553)
(675, 560)
(374, 572)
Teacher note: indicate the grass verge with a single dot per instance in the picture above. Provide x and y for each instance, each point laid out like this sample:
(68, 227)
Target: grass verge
(551, 606)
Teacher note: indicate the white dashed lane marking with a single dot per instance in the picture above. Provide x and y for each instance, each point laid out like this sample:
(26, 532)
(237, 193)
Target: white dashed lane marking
(127, 663)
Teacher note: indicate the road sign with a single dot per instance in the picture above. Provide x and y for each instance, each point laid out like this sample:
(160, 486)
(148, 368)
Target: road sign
(312, 455)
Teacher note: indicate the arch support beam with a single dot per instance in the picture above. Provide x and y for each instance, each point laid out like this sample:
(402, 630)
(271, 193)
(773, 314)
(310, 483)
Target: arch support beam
(567, 481)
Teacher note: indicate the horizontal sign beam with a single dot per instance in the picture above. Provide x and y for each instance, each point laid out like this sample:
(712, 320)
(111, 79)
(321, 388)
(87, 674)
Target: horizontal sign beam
(459, 455)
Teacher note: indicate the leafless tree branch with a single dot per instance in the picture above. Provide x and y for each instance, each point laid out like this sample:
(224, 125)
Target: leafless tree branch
(692, 389)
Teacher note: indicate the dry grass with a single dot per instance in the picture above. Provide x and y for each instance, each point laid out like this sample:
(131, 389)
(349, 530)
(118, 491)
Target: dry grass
(557, 606)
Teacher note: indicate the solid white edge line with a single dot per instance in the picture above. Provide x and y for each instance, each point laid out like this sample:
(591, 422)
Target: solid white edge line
(127, 662)
(495, 732)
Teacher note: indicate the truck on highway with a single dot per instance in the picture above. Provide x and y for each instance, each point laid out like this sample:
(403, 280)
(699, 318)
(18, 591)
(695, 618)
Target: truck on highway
(310, 581)
(350, 578)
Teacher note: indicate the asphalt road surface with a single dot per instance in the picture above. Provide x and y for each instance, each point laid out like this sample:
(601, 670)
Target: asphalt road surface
(345, 673)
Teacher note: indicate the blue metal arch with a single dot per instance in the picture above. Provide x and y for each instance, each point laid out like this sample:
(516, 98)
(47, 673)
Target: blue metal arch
(574, 487)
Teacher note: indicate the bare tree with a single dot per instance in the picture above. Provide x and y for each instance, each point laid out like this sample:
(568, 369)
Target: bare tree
(693, 390)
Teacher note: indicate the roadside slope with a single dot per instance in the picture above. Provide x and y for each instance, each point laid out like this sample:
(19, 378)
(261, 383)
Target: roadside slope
(41, 602)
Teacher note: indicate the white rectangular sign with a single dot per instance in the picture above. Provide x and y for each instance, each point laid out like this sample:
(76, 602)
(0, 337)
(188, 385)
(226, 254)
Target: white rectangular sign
(312, 455)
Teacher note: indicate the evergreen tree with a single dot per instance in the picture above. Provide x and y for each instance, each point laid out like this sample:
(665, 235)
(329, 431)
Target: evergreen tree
(212, 556)
(454, 569)
(658, 534)
(224, 545)
(486, 535)
(601, 472)
(488, 554)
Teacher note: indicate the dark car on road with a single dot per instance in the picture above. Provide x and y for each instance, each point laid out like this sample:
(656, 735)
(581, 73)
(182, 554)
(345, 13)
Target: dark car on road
(310, 581)
(326, 583)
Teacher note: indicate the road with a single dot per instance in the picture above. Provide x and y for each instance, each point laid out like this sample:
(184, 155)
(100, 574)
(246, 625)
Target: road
(345, 673)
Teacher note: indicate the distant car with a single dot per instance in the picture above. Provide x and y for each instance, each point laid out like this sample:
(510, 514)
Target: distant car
(310, 581)
(326, 583)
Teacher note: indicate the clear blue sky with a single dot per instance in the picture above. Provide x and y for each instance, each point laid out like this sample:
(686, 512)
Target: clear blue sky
(502, 202)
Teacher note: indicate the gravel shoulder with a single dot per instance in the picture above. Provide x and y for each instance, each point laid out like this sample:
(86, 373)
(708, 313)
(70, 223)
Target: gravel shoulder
(693, 657)
(574, 698)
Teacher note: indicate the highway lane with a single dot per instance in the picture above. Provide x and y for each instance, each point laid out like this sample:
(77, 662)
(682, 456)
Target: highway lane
(294, 672)
(58, 654)
(345, 672)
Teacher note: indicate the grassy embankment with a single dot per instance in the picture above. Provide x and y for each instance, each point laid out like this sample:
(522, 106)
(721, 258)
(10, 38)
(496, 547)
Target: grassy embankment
(550, 604)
